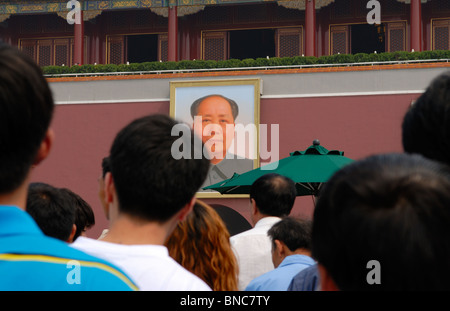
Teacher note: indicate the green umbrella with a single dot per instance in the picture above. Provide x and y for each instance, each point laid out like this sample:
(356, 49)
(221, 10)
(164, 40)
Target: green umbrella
(309, 169)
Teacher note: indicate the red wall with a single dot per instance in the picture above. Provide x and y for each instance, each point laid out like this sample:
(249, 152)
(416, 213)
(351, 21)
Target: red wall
(357, 125)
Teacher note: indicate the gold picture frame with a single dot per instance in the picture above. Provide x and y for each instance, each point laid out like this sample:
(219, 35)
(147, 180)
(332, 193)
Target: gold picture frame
(246, 95)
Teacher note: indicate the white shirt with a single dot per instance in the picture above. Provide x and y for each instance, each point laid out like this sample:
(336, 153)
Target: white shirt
(253, 250)
(150, 266)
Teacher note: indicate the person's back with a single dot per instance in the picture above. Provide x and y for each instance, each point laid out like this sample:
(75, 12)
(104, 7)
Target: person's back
(272, 196)
(148, 191)
(306, 280)
(291, 253)
(29, 260)
(382, 223)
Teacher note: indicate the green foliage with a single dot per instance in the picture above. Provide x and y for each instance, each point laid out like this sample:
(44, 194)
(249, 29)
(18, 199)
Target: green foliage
(248, 62)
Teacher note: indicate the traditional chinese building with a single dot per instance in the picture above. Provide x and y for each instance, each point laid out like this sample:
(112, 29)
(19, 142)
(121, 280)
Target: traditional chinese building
(151, 30)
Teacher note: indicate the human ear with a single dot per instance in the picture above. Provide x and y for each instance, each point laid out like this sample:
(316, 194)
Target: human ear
(45, 147)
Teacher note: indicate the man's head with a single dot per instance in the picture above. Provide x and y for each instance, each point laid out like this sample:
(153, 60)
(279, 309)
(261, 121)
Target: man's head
(273, 195)
(26, 109)
(394, 209)
(426, 126)
(150, 184)
(218, 114)
(52, 210)
(84, 215)
(289, 236)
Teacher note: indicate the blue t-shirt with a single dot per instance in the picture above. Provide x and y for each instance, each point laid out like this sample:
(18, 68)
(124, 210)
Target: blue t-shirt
(280, 278)
(30, 260)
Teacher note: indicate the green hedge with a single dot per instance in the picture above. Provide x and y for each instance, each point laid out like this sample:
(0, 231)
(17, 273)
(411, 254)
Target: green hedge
(249, 62)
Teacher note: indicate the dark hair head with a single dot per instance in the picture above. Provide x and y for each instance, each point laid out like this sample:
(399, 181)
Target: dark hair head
(391, 208)
(197, 102)
(274, 194)
(84, 215)
(294, 233)
(149, 181)
(26, 109)
(426, 125)
(51, 210)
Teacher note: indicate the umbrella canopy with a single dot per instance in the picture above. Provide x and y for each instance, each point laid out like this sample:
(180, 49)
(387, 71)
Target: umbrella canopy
(309, 169)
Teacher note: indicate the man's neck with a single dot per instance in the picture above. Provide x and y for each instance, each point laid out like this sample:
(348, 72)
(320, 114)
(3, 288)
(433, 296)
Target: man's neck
(17, 197)
(301, 251)
(130, 231)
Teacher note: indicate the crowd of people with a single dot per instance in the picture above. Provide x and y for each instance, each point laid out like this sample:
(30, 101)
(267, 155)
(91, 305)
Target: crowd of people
(392, 209)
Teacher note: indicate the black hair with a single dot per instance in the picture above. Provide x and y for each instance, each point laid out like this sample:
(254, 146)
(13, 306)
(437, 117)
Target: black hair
(149, 181)
(26, 109)
(106, 166)
(426, 125)
(392, 208)
(84, 215)
(51, 210)
(274, 194)
(294, 233)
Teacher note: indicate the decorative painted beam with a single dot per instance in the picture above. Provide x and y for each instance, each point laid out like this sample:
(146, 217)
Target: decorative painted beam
(185, 7)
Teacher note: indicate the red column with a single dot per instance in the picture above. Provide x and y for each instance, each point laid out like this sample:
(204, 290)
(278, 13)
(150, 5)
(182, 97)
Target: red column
(78, 55)
(310, 28)
(416, 25)
(173, 35)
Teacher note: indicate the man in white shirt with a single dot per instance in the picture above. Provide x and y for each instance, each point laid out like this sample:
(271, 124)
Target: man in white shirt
(272, 196)
(147, 193)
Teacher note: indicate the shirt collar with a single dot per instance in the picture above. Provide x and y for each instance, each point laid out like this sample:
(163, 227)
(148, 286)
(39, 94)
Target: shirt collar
(15, 221)
(296, 259)
(269, 220)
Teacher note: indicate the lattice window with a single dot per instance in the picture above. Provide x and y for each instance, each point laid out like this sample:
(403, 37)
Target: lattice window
(339, 40)
(289, 42)
(441, 34)
(116, 51)
(163, 47)
(54, 51)
(396, 37)
(45, 53)
(62, 55)
(215, 45)
(29, 48)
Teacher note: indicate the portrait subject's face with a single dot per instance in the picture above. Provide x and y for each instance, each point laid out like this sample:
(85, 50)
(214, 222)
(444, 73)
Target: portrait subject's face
(217, 126)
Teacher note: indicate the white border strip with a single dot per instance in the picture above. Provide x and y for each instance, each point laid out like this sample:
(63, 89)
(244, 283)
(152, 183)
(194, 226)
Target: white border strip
(110, 101)
(343, 94)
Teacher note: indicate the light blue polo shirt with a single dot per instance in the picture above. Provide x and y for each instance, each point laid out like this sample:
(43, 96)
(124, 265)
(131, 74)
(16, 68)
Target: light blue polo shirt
(279, 278)
(30, 260)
